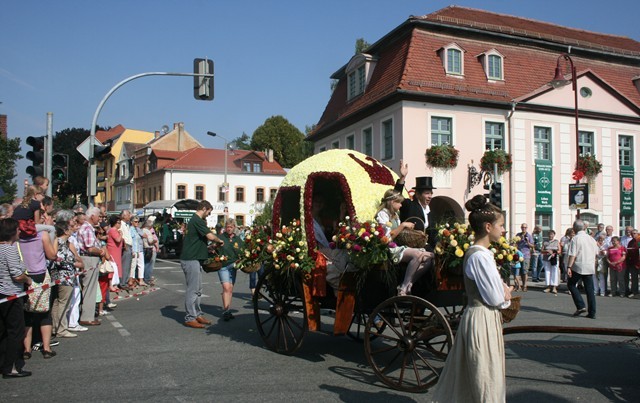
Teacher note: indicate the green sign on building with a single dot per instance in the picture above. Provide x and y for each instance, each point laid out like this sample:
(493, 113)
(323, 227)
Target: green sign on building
(544, 186)
(626, 191)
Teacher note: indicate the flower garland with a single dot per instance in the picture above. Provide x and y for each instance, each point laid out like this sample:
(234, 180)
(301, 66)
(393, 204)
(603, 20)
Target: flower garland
(497, 156)
(442, 156)
(255, 247)
(365, 242)
(587, 165)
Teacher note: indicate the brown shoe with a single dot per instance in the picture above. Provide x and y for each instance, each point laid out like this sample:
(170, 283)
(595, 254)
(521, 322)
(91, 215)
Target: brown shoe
(202, 320)
(194, 324)
(89, 322)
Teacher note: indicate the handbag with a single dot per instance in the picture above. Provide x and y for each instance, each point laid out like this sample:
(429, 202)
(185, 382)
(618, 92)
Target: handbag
(553, 260)
(148, 254)
(39, 299)
(105, 267)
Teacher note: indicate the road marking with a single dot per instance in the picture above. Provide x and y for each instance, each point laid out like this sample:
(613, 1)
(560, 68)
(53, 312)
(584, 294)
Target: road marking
(173, 284)
(168, 261)
(123, 332)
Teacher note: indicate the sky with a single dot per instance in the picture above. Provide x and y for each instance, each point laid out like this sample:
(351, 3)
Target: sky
(271, 57)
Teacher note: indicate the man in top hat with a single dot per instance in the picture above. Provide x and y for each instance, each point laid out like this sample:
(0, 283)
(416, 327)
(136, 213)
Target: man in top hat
(417, 210)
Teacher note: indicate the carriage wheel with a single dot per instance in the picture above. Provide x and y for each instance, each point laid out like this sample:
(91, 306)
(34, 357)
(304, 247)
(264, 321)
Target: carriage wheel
(279, 310)
(453, 314)
(411, 351)
(359, 323)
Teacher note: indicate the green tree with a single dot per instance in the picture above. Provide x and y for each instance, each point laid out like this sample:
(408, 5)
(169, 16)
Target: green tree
(9, 155)
(361, 45)
(286, 141)
(243, 142)
(264, 216)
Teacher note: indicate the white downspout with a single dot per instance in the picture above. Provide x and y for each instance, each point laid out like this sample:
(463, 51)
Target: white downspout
(512, 225)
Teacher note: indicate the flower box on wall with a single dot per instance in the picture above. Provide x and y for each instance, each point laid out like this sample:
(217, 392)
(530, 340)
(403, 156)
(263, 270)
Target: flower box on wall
(500, 158)
(443, 156)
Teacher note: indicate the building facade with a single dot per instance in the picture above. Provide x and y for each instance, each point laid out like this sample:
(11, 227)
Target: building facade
(479, 80)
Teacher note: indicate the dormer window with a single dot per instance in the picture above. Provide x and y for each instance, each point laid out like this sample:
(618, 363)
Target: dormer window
(452, 59)
(493, 64)
(358, 73)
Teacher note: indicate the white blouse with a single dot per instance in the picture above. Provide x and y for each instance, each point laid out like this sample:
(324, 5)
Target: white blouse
(481, 268)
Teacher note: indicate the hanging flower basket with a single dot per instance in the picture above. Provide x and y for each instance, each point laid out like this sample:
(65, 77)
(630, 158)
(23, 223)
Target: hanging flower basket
(442, 156)
(588, 165)
(499, 157)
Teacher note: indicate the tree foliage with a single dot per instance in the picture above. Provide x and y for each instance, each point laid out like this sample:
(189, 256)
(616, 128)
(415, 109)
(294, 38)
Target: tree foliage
(243, 142)
(286, 141)
(66, 141)
(361, 45)
(9, 155)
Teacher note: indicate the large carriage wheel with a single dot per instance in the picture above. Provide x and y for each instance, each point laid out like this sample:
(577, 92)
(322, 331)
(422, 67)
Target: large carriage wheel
(360, 322)
(411, 351)
(279, 310)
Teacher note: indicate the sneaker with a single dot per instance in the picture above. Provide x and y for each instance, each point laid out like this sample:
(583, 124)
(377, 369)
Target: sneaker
(78, 329)
(67, 335)
(54, 343)
(227, 316)
(37, 346)
(111, 305)
(630, 295)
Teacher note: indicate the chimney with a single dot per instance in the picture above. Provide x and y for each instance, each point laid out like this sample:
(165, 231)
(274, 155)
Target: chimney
(156, 134)
(270, 155)
(180, 132)
(3, 126)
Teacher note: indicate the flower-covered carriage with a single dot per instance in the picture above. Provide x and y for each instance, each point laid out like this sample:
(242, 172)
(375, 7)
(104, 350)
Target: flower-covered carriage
(406, 338)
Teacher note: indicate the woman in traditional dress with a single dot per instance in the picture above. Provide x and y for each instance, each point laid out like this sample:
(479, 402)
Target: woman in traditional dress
(475, 367)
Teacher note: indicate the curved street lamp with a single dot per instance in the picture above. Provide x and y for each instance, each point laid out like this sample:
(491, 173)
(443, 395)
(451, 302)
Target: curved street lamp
(560, 81)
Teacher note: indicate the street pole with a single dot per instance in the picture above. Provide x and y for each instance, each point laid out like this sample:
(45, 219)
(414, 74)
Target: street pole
(48, 155)
(559, 81)
(94, 122)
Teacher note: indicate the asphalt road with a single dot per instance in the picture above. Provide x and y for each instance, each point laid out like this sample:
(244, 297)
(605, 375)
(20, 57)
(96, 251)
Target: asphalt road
(142, 352)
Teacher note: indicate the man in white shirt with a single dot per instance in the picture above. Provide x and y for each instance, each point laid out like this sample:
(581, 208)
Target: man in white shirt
(127, 256)
(581, 265)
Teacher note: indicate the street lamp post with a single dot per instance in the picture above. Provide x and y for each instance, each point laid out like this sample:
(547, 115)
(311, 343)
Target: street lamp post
(560, 81)
(225, 184)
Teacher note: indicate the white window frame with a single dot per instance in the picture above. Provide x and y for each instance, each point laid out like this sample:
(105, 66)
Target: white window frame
(633, 154)
(382, 139)
(533, 143)
(445, 59)
(364, 140)
(484, 132)
(358, 73)
(335, 144)
(444, 116)
(351, 138)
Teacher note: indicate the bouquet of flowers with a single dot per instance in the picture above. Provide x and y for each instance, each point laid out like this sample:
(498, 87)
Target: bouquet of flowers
(453, 242)
(365, 242)
(588, 165)
(497, 156)
(442, 156)
(287, 250)
(506, 254)
(255, 249)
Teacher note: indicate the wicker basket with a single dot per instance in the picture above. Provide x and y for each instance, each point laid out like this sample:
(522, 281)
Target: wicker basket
(251, 268)
(211, 266)
(509, 314)
(412, 238)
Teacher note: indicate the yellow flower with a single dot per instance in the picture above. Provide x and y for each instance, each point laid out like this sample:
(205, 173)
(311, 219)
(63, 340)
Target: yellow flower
(509, 257)
(459, 252)
(438, 250)
(466, 246)
(500, 257)
(454, 243)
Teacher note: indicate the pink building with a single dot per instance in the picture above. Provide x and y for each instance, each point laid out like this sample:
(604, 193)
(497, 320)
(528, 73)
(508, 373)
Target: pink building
(479, 80)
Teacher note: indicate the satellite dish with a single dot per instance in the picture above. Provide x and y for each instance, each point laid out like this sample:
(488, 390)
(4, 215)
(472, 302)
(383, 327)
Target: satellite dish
(165, 129)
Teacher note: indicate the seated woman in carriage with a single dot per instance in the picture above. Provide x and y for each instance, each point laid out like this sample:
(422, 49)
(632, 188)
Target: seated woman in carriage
(419, 261)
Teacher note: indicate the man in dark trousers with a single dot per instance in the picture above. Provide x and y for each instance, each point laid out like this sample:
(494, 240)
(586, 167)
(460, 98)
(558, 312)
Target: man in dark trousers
(417, 210)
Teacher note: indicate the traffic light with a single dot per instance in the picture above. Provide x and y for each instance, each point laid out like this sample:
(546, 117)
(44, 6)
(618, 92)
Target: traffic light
(97, 186)
(495, 195)
(202, 86)
(59, 167)
(100, 152)
(36, 155)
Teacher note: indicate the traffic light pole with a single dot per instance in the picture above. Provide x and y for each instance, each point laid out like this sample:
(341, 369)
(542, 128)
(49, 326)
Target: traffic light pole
(94, 122)
(48, 155)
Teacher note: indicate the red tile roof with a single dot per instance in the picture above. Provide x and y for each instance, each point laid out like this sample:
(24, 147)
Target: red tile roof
(168, 154)
(107, 135)
(409, 65)
(212, 160)
(488, 21)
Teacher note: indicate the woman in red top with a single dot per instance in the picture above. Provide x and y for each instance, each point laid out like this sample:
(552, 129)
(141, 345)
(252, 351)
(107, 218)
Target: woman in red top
(615, 257)
(115, 243)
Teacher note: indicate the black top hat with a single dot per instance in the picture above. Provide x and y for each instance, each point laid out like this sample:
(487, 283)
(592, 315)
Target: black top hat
(423, 183)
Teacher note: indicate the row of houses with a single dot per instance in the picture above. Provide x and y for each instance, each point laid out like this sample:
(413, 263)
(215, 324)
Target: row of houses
(479, 80)
(145, 167)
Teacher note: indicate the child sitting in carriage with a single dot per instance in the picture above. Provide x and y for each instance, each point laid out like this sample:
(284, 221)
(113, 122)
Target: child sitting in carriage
(419, 261)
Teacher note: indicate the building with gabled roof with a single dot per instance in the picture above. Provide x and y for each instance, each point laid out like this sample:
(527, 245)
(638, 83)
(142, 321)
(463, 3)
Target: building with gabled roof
(252, 179)
(476, 80)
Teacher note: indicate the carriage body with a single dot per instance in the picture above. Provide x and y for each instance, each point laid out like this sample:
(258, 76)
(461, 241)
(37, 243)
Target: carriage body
(287, 304)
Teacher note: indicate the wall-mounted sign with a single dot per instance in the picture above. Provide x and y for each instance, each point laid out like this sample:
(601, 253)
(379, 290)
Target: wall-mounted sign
(578, 196)
(544, 186)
